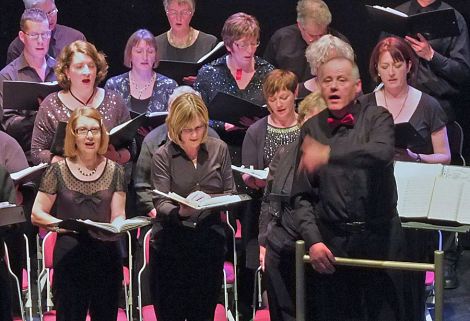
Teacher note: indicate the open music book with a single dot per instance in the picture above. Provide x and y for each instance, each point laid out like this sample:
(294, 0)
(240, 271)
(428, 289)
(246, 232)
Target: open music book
(28, 174)
(79, 225)
(24, 94)
(230, 109)
(433, 191)
(177, 70)
(213, 202)
(256, 173)
(432, 24)
(152, 119)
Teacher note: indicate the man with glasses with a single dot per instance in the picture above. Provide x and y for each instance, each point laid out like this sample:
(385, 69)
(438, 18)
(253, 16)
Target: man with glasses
(61, 35)
(34, 65)
(286, 48)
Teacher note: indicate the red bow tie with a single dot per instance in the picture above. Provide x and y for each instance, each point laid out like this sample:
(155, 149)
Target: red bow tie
(347, 120)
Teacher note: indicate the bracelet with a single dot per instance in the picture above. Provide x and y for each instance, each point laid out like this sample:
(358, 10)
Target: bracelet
(418, 158)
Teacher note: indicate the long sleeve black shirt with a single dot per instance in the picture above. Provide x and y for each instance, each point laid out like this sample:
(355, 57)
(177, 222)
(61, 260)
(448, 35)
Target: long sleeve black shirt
(358, 183)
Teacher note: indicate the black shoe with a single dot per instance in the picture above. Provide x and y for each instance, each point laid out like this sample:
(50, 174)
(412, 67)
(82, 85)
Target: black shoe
(450, 277)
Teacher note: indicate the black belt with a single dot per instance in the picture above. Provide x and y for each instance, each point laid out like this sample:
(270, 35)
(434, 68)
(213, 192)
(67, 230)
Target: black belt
(357, 227)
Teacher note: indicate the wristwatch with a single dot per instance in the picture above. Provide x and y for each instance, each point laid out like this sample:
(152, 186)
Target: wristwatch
(418, 158)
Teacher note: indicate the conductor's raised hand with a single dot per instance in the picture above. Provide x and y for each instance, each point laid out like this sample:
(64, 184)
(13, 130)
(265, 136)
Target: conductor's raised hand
(321, 258)
(314, 154)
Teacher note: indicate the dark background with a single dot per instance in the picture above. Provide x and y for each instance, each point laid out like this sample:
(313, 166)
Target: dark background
(109, 23)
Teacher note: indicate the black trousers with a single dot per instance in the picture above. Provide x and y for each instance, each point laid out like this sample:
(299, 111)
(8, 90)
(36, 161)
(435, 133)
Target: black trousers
(5, 291)
(87, 277)
(186, 272)
(358, 293)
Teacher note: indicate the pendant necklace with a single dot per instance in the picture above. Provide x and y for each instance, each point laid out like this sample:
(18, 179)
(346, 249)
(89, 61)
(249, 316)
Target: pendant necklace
(80, 101)
(402, 105)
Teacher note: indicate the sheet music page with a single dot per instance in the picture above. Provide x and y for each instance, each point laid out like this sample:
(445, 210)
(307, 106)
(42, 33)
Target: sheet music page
(463, 213)
(391, 10)
(414, 196)
(417, 170)
(457, 172)
(445, 199)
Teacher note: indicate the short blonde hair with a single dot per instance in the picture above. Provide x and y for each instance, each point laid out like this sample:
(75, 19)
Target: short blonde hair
(134, 39)
(239, 25)
(326, 48)
(278, 80)
(313, 11)
(312, 104)
(192, 3)
(185, 109)
(70, 147)
(65, 60)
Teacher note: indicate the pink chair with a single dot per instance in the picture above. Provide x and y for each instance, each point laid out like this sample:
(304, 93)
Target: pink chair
(26, 303)
(45, 280)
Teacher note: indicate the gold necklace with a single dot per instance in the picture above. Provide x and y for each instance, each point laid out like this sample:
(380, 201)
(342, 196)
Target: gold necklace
(402, 105)
(145, 86)
(183, 45)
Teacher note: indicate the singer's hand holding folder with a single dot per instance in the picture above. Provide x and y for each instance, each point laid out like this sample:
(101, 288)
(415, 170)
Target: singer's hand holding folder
(432, 24)
(25, 95)
(232, 109)
(213, 202)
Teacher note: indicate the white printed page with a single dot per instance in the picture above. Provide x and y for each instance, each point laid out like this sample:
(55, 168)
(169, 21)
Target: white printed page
(463, 213)
(414, 196)
(445, 200)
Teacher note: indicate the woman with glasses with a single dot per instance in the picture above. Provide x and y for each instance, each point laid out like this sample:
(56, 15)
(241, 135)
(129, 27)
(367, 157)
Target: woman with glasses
(240, 72)
(84, 185)
(188, 246)
(182, 42)
(79, 70)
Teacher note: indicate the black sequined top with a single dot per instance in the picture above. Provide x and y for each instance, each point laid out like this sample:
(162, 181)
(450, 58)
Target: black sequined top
(276, 137)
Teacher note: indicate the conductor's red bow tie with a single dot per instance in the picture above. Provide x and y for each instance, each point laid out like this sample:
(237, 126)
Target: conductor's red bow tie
(347, 120)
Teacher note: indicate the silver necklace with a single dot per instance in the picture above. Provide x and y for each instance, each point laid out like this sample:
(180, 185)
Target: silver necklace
(140, 91)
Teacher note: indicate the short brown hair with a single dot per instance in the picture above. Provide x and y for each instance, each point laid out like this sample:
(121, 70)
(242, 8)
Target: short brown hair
(399, 49)
(34, 14)
(313, 11)
(239, 25)
(134, 39)
(313, 103)
(278, 80)
(70, 148)
(66, 56)
(185, 109)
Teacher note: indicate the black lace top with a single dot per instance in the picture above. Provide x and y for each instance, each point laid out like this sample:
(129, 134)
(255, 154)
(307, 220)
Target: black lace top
(83, 199)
